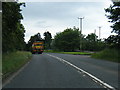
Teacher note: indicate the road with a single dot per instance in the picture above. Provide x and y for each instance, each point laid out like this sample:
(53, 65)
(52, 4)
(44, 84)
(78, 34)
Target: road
(53, 70)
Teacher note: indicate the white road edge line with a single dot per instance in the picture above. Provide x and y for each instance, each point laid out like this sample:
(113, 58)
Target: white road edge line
(90, 75)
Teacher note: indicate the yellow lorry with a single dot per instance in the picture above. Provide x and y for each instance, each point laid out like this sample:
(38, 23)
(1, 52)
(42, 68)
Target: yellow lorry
(38, 47)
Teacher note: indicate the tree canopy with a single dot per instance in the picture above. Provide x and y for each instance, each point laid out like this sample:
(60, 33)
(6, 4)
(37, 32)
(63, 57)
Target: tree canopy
(114, 16)
(36, 37)
(12, 29)
(68, 40)
(92, 43)
(48, 39)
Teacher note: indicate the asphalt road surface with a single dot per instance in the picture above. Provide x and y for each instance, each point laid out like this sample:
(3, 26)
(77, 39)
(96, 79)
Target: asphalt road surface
(53, 70)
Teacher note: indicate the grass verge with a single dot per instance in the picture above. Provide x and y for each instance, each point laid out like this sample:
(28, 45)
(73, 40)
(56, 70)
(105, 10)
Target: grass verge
(74, 53)
(108, 54)
(11, 62)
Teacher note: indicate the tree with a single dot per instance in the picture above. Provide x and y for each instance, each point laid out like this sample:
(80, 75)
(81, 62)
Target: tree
(36, 37)
(112, 41)
(48, 39)
(114, 16)
(12, 29)
(91, 37)
(68, 40)
(91, 43)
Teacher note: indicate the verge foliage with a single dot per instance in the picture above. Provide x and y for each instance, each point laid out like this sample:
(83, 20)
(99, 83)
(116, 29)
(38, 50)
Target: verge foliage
(114, 16)
(13, 61)
(108, 54)
(12, 29)
(91, 43)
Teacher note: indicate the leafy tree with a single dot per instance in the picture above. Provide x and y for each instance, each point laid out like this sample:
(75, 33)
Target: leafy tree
(112, 41)
(13, 30)
(48, 39)
(36, 37)
(91, 43)
(68, 40)
(91, 37)
(114, 16)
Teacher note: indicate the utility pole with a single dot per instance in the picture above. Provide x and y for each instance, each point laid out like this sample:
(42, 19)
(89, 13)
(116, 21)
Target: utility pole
(80, 24)
(80, 29)
(95, 31)
(95, 34)
(99, 31)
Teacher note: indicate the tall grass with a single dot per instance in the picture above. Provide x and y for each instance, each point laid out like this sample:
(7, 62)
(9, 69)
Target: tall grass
(11, 62)
(108, 54)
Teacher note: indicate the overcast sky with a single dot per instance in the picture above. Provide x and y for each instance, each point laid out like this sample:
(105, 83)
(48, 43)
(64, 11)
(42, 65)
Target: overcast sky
(57, 16)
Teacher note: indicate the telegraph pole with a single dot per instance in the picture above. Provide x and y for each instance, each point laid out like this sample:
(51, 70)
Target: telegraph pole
(95, 31)
(80, 24)
(99, 31)
(80, 29)
(95, 34)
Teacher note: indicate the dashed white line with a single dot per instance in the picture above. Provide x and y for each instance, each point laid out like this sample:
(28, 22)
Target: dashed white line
(83, 71)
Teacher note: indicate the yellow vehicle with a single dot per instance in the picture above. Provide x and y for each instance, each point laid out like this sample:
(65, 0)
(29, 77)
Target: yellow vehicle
(38, 47)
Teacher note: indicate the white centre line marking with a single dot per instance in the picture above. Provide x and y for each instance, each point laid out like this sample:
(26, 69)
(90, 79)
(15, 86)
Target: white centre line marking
(85, 72)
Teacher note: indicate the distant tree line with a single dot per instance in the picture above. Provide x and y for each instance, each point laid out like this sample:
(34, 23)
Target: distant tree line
(71, 39)
(12, 29)
(92, 43)
(68, 40)
(37, 37)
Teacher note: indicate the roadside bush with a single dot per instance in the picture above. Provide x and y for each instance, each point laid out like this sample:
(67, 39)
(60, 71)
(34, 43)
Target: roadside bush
(108, 54)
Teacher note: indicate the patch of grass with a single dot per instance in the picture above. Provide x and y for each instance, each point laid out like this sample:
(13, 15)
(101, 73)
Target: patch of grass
(51, 51)
(77, 53)
(108, 54)
(11, 62)
(74, 53)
